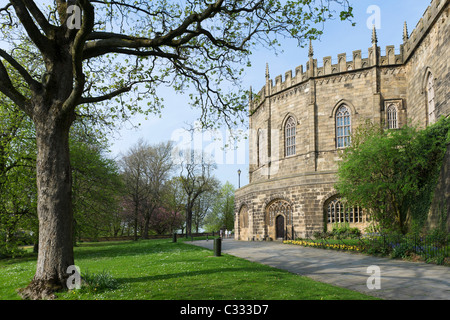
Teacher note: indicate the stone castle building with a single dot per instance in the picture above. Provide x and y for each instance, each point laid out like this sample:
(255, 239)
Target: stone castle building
(299, 125)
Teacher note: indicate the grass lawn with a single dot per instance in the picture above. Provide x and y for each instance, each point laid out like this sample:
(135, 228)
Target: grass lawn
(162, 270)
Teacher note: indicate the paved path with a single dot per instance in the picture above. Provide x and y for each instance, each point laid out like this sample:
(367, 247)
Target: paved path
(400, 280)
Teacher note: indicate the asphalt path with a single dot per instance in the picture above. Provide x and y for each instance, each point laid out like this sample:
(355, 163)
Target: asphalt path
(385, 278)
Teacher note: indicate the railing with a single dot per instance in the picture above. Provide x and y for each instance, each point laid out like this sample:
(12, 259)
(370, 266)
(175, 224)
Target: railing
(397, 246)
(402, 245)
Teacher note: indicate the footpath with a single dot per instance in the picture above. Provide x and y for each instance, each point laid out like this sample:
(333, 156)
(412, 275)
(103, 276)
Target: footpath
(385, 278)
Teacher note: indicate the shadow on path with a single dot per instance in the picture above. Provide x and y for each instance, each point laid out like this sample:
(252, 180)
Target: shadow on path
(399, 280)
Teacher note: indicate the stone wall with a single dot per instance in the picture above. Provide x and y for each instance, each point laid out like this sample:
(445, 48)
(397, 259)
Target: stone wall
(429, 51)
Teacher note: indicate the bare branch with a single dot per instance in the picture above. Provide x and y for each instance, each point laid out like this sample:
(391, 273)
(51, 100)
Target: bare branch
(77, 55)
(39, 16)
(42, 42)
(108, 96)
(34, 85)
(7, 88)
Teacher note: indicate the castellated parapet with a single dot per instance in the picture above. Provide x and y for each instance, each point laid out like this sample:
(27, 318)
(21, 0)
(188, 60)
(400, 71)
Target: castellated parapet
(432, 13)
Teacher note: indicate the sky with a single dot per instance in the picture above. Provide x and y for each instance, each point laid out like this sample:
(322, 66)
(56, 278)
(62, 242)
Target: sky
(339, 37)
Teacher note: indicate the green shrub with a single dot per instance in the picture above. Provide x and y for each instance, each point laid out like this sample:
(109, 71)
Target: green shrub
(322, 235)
(402, 250)
(343, 231)
(97, 282)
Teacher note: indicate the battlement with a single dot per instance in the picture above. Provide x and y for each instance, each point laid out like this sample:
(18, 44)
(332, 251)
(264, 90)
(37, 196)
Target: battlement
(358, 62)
(429, 17)
(342, 65)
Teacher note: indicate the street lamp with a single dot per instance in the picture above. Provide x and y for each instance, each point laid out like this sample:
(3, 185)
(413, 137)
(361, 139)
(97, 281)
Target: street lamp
(239, 180)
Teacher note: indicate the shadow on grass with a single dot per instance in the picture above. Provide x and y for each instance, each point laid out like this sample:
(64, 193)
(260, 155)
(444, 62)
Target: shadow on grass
(20, 259)
(129, 248)
(189, 274)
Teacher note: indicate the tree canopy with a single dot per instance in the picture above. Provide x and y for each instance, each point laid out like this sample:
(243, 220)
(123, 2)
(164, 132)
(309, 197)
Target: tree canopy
(130, 46)
(393, 173)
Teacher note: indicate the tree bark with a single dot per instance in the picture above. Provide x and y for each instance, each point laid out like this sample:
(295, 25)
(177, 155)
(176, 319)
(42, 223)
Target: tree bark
(188, 221)
(54, 185)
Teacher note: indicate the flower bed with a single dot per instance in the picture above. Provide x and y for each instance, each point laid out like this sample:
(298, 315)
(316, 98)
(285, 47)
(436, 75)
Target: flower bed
(429, 249)
(324, 245)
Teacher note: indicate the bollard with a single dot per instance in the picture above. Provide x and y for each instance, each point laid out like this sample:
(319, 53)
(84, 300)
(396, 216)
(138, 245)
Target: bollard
(217, 247)
(174, 239)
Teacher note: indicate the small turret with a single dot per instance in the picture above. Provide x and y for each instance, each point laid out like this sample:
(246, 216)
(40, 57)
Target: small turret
(268, 82)
(374, 52)
(374, 36)
(405, 33)
(311, 51)
(311, 60)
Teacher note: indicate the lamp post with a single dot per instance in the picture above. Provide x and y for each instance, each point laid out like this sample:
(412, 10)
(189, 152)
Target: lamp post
(239, 178)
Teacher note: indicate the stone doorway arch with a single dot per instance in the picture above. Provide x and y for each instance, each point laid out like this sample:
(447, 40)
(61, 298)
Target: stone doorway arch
(278, 213)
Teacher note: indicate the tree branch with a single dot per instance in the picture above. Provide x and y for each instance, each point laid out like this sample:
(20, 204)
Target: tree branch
(7, 88)
(39, 16)
(108, 42)
(42, 42)
(152, 53)
(77, 55)
(108, 96)
(34, 85)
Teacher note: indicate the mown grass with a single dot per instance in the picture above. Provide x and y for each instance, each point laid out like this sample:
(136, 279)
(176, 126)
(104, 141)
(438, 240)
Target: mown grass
(162, 270)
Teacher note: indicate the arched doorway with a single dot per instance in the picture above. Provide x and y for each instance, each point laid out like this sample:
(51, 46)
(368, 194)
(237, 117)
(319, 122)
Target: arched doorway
(280, 227)
(278, 220)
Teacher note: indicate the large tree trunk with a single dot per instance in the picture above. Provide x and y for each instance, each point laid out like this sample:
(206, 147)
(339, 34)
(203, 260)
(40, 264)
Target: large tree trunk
(188, 221)
(146, 226)
(54, 208)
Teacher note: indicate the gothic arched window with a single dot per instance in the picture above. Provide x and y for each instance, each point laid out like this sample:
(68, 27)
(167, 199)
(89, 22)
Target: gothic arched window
(343, 127)
(289, 137)
(260, 147)
(430, 99)
(392, 117)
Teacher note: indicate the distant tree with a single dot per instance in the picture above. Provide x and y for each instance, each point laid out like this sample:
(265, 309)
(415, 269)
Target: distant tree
(196, 178)
(174, 200)
(17, 178)
(164, 221)
(158, 169)
(145, 170)
(97, 186)
(204, 204)
(222, 213)
(92, 172)
(135, 181)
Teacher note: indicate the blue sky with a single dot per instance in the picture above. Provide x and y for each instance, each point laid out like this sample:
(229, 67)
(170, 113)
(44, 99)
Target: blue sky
(339, 37)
